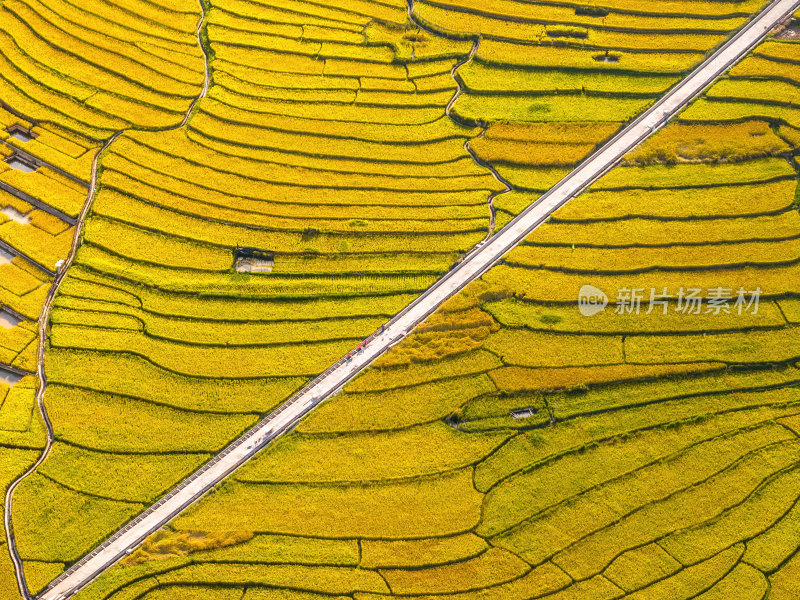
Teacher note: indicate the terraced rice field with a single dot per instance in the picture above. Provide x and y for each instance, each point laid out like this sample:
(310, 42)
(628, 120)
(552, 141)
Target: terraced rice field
(66, 76)
(314, 143)
(43, 184)
(554, 81)
(101, 68)
(513, 448)
(510, 448)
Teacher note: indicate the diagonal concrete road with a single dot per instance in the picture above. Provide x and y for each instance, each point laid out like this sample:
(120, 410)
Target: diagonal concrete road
(476, 263)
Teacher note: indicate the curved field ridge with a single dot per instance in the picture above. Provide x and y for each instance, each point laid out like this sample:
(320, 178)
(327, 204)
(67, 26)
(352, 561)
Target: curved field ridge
(621, 455)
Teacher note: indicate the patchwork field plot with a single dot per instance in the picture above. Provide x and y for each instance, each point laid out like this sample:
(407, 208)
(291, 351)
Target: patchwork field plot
(513, 447)
(568, 76)
(323, 145)
(102, 68)
(43, 185)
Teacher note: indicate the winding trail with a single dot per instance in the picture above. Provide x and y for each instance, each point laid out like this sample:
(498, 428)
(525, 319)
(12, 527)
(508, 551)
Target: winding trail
(460, 83)
(207, 75)
(509, 187)
(44, 317)
(476, 263)
(456, 67)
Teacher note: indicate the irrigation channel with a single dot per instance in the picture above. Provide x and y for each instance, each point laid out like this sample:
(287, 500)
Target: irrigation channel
(44, 317)
(474, 264)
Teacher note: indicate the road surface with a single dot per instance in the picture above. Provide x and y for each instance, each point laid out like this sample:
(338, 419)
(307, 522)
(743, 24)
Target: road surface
(474, 264)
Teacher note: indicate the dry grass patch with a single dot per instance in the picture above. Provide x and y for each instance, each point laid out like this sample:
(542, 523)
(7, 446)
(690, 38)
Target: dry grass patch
(165, 544)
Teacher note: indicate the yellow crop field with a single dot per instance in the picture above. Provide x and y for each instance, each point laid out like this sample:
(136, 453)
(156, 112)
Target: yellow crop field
(707, 142)
(64, 150)
(647, 451)
(22, 436)
(207, 203)
(723, 200)
(369, 510)
(706, 110)
(623, 259)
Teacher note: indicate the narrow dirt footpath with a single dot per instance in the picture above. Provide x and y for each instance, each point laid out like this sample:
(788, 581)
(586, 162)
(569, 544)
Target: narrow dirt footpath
(479, 161)
(44, 317)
